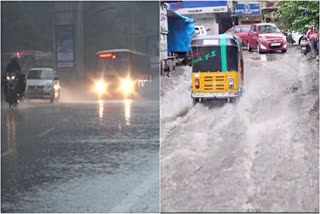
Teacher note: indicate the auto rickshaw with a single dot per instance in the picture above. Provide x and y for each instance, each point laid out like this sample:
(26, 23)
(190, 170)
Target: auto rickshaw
(217, 68)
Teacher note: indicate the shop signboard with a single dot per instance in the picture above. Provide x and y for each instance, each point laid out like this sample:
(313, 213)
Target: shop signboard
(250, 9)
(65, 47)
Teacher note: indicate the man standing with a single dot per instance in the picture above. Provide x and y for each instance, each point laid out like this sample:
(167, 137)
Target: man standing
(312, 36)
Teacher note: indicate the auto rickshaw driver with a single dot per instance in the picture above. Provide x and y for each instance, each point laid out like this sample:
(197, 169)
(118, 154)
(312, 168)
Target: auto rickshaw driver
(217, 68)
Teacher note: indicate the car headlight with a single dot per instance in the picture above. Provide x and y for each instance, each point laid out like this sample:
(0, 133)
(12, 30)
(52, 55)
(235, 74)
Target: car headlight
(262, 39)
(56, 87)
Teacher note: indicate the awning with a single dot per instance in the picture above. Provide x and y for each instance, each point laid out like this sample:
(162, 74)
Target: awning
(186, 19)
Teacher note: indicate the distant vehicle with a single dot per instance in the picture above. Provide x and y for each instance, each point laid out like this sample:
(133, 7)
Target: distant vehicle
(297, 37)
(121, 72)
(41, 83)
(200, 30)
(12, 96)
(305, 47)
(266, 37)
(240, 31)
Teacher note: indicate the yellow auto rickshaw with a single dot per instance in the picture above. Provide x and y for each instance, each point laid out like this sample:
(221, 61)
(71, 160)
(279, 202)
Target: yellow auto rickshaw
(217, 68)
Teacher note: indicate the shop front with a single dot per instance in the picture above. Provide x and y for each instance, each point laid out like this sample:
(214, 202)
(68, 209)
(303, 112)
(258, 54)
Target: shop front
(249, 13)
(204, 13)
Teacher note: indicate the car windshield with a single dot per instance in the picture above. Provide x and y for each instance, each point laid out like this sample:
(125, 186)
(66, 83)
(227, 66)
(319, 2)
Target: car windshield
(40, 74)
(268, 29)
(242, 29)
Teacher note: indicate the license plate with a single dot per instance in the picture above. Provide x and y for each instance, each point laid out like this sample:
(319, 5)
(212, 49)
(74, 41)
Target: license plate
(303, 48)
(275, 44)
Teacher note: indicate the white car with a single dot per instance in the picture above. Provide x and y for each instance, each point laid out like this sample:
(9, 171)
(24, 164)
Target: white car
(41, 83)
(297, 37)
(200, 30)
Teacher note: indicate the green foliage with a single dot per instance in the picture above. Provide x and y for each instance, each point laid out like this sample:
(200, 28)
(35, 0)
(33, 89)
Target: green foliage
(298, 15)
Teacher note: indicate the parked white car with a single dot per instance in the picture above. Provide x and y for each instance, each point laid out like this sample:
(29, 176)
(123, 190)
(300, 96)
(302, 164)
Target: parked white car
(200, 30)
(41, 83)
(297, 37)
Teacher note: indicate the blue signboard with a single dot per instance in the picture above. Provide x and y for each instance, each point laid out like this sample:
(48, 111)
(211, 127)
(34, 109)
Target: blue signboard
(65, 47)
(193, 7)
(251, 9)
(193, 4)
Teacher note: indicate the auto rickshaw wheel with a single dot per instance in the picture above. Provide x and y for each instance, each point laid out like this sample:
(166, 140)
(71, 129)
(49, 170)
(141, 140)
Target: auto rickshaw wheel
(195, 101)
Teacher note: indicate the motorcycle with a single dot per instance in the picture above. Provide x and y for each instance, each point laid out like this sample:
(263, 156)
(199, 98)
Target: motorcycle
(305, 47)
(12, 95)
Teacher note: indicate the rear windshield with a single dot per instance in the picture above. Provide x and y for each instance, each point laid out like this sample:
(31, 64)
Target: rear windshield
(40, 74)
(242, 29)
(209, 59)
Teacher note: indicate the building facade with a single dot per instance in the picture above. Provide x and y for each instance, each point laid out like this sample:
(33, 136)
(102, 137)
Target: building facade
(204, 13)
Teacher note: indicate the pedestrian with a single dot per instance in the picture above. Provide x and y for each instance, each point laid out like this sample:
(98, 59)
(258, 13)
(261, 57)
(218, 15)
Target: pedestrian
(312, 37)
(318, 47)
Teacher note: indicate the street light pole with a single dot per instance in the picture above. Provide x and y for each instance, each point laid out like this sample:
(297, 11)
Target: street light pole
(54, 51)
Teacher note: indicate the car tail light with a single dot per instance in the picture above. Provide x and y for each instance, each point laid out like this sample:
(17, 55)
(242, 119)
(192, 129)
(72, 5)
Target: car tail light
(197, 83)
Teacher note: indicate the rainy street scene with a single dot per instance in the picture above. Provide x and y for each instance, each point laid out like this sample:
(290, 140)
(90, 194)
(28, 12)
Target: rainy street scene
(80, 107)
(239, 107)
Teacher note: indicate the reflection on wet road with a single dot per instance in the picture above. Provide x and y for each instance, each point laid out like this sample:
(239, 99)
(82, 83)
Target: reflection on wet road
(97, 157)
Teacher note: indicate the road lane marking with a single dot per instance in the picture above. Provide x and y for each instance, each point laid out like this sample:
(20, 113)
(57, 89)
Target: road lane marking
(42, 134)
(6, 153)
(46, 132)
(135, 195)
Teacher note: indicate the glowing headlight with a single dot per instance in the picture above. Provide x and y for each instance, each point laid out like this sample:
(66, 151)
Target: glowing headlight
(56, 87)
(127, 85)
(11, 78)
(100, 87)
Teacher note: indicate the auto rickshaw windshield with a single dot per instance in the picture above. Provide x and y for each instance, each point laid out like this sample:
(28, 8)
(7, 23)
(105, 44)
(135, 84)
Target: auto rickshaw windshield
(213, 59)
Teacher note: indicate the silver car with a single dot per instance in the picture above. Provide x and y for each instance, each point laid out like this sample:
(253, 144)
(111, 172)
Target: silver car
(41, 83)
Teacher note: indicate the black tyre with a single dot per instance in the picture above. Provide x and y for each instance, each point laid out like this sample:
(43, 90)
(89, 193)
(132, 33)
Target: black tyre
(195, 101)
(249, 49)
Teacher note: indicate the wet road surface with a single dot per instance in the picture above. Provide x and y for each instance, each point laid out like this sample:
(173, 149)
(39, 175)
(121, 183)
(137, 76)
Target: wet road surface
(89, 157)
(261, 154)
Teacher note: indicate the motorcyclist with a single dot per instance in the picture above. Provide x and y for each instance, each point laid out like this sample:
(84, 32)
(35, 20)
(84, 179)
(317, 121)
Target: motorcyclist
(312, 37)
(14, 67)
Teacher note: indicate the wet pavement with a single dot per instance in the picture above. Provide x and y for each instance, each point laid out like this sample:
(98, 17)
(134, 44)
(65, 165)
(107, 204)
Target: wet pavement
(261, 154)
(80, 157)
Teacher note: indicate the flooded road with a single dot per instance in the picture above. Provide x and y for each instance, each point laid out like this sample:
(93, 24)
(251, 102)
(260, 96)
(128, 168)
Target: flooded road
(89, 157)
(261, 154)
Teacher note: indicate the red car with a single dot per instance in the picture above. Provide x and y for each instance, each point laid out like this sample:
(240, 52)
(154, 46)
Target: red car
(266, 37)
(241, 31)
